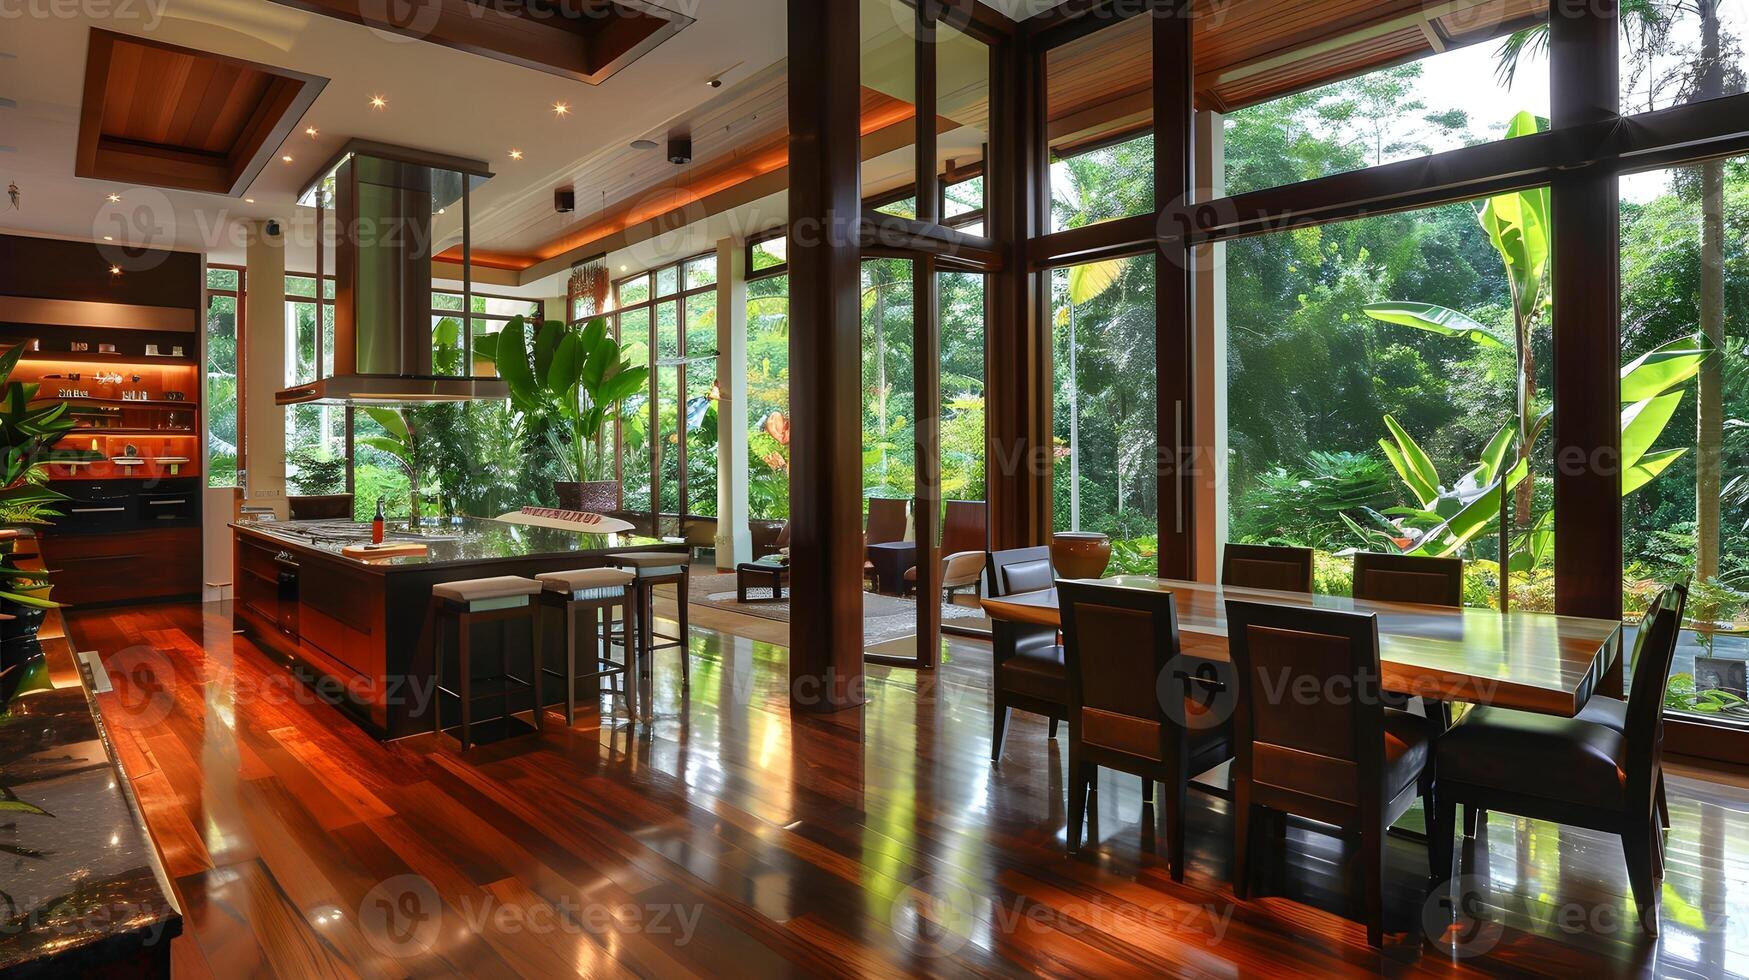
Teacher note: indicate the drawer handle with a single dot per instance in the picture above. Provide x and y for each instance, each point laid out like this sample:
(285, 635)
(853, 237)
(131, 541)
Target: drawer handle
(164, 503)
(95, 510)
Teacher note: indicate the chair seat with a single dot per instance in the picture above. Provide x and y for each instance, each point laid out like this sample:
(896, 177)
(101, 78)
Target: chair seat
(649, 564)
(1408, 745)
(1565, 759)
(1611, 713)
(584, 580)
(1210, 743)
(483, 589)
(1036, 670)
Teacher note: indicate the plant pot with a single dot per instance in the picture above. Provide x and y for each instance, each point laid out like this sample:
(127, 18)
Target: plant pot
(597, 497)
(1080, 554)
(25, 621)
(22, 667)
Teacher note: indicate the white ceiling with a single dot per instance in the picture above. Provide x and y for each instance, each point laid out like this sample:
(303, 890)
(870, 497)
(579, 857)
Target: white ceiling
(439, 99)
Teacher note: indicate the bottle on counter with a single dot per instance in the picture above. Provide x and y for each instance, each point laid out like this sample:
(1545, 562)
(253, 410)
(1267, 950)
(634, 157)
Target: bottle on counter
(376, 524)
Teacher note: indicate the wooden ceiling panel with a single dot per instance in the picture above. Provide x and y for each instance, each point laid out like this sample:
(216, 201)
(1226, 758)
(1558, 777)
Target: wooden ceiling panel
(588, 40)
(169, 116)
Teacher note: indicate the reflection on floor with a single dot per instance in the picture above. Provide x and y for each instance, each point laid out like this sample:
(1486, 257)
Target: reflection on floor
(731, 839)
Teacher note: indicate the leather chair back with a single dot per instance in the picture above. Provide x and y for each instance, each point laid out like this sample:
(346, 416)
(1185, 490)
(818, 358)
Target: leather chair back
(1409, 578)
(1260, 566)
(1654, 649)
(1118, 645)
(963, 527)
(1309, 721)
(886, 519)
(1018, 570)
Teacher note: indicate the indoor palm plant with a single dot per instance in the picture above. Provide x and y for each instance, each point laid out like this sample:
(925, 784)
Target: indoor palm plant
(28, 435)
(577, 375)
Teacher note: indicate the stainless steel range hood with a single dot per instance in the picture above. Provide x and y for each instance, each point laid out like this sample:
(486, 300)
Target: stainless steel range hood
(382, 214)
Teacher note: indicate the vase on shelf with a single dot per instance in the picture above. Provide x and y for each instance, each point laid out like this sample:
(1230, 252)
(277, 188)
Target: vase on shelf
(1080, 554)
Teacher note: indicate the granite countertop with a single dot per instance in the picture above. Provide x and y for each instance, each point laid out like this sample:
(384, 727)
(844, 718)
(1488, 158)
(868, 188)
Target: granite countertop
(453, 541)
(82, 883)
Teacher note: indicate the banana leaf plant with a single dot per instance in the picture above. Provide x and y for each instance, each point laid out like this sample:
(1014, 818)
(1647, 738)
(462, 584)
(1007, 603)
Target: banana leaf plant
(29, 432)
(1449, 516)
(400, 442)
(576, 374)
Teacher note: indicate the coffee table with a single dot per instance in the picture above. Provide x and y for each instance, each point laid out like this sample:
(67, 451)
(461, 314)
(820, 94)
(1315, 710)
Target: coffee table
(766, 573)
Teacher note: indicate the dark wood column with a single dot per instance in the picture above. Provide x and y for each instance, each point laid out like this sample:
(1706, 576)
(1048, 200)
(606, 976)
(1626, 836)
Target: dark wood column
(1174, 317)
(1018, 347)
(1584, 71)
(825, 342)
(926, 377)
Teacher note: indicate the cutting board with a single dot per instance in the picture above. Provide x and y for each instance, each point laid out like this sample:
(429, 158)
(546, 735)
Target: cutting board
(391, 549)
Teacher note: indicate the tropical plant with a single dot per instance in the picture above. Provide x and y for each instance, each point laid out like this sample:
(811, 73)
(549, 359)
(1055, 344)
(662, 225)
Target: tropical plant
(1450, 515)
(29, 432)
(400, 441)
(574, 373)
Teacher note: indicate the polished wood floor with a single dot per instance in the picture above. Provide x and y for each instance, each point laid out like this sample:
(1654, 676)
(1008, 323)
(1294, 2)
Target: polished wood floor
(730, 839)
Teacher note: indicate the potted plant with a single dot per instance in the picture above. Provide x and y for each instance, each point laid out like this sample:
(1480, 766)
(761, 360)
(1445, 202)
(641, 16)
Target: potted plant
(28, 435)
(577, 375)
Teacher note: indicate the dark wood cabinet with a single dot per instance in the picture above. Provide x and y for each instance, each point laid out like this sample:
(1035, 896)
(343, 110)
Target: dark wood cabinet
(125, 566)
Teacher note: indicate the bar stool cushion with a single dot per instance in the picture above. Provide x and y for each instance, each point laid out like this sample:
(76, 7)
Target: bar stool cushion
(484, 589)
(647, 564)
(587, 583)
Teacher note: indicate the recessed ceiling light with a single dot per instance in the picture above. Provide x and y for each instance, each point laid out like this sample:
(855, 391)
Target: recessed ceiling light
(115, 198)
(287, 158)
(561, 109)
(115, 270)
(643, 144)
(378, 102)
(109, 238)
(248, 200)
(515, 154)
(310, 131)
(624, 268)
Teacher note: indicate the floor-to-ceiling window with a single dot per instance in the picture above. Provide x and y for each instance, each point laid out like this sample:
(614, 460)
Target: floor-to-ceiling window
(768, 380)
(666, 318)
(1105, 478)
(224, 320)
(316, 459)
(1685, 509)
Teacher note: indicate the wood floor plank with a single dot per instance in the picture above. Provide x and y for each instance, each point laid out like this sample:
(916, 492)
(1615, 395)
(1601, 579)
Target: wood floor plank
(879, 842)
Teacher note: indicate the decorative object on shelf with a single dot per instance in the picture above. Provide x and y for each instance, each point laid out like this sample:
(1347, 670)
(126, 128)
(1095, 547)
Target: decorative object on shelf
(174, 396)
(12, 193)
(151, 350)
(105, 348)
(79, 346)
(1080, 554)
(578, 376)
(176, 350)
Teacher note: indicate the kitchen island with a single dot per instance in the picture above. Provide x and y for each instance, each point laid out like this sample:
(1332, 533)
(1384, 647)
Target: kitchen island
(358, 632)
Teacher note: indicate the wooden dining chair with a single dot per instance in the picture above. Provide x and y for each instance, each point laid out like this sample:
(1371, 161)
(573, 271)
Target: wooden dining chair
(1129, 711)
(1262, 566)
(887, 517)
(962, 549)
(1338, 756)
(1571, 770)
(1027, 661)
(1409, 578)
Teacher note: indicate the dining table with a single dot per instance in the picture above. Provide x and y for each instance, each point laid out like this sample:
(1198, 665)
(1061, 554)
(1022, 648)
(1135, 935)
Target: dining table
(1529, 661)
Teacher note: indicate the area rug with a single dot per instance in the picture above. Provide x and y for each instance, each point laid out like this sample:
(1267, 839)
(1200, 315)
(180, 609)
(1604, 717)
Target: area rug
(884, 617)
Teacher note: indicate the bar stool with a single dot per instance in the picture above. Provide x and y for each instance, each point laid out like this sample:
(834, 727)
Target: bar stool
(650, 569)
(595, 591)
(484, 600)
